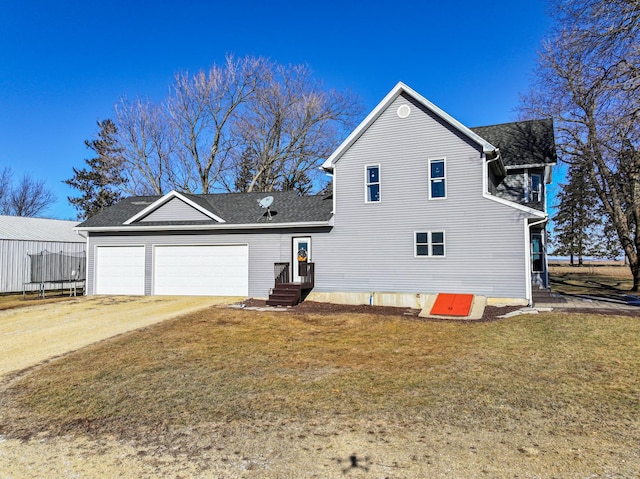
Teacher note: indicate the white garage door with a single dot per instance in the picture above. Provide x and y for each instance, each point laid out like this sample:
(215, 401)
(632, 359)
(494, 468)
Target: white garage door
(201, 270)
(120, 270)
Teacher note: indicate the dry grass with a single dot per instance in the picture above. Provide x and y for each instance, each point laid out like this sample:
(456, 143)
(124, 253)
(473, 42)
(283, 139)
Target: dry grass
(605, 279)
(209, 384)
(16, 300)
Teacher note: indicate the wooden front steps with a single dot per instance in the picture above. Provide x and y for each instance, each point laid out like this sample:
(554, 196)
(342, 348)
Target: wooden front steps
(285, 294)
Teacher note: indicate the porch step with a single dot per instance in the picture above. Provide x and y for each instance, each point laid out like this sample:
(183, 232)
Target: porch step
(285, 294)
(544, 296)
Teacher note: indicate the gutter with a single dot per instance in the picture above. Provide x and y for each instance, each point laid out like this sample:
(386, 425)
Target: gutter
(496, 156)
(225, 226)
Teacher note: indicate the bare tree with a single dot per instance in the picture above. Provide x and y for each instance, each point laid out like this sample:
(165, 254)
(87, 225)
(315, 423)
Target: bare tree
(288, 127)
(246, 125)
(29, 197)
(588, 81)
(5, 186)
(147, 146)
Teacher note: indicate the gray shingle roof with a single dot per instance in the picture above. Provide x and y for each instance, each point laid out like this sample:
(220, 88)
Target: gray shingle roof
(234, 208)
(38, 229)
(523, 142)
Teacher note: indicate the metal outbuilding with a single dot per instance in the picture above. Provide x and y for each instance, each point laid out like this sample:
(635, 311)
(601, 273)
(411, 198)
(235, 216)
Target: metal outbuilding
(21, 237)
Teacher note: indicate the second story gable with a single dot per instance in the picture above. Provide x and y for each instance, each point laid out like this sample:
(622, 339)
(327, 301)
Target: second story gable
(408, 154)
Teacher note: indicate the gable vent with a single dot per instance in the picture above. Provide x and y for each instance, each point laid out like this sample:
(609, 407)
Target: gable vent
(404, 111)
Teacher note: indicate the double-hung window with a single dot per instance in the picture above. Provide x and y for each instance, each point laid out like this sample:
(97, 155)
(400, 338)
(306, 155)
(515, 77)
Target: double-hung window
(437, 179)
(372, 182)
(429, 243)
(534, 188)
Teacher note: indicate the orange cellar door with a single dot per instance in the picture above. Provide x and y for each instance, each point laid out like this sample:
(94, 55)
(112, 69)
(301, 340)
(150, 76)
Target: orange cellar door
(448, 304)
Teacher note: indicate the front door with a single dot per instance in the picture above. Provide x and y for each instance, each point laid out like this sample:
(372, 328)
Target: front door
(301, 258)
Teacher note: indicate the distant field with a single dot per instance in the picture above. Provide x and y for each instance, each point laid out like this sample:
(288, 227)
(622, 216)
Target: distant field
(592, 278)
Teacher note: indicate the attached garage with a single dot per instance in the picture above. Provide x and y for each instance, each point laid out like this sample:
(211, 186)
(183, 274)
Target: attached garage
(205, 270)
(120, 270)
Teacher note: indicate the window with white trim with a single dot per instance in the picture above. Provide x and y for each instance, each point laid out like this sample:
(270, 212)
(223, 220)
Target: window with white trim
(372, 182)
(533, 193)
(429, 243)
(437, 179)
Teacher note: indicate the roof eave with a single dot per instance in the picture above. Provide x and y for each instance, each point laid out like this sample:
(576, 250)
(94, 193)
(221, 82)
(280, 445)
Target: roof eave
(219, 226)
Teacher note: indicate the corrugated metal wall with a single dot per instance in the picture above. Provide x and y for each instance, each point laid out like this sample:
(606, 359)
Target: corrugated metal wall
(14, 265)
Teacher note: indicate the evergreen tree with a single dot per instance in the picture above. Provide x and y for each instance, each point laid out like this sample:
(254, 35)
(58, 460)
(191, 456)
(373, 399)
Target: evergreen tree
(578, 230)
(100, 183)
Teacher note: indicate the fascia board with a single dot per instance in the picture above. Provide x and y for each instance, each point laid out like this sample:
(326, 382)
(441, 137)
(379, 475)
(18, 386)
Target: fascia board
(518, 206)
(227, 226)
(362, 127)
(486, 146)
(386, 101)
(530, 165)
(161, 201)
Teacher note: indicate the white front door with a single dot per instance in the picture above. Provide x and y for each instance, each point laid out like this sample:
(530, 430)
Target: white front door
(301, 257)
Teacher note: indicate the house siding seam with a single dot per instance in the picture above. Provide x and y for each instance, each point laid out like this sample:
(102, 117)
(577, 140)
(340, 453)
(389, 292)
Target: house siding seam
(483, 237)
(175, 210)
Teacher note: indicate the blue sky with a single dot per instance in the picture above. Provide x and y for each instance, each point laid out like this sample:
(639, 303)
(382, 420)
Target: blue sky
(63, 64)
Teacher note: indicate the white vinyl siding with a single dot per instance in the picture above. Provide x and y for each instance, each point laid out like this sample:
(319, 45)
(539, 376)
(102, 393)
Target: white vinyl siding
(263, 249)
(120, 270)
(175, 210)
(372, 249)
(218, 270)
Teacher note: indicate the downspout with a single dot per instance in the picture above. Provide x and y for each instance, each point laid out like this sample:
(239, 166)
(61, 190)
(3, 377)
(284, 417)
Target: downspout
(528, 258)
(495, 153)
(86, 260)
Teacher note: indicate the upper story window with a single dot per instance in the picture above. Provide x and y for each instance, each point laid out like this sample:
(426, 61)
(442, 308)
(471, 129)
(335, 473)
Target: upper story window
(372, 182)
(437, 179)
(429, 243)
(533, 193)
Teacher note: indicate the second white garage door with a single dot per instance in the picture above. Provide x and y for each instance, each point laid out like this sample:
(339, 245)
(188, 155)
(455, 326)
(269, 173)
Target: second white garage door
(221, 270)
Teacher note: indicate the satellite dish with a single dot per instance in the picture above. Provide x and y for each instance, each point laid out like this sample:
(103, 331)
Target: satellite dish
(266, 202)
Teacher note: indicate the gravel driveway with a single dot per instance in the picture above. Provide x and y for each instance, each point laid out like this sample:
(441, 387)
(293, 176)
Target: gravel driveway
(36, 333)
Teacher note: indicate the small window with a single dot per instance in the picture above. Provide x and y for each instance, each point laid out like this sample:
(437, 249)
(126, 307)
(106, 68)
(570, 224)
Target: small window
(429, 243)
(437, 179)
(372, 181)
(535, 188)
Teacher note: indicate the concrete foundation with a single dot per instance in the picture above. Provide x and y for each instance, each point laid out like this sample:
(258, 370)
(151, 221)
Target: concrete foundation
(401, 300)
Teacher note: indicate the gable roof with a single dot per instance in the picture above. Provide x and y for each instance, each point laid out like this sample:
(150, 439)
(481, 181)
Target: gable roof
(38, 229)
(522, 143)
(235, 209)
(192, 200)
(398, 90)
